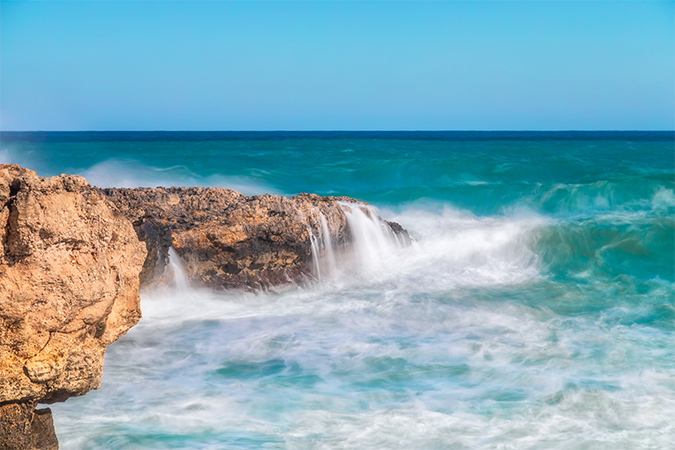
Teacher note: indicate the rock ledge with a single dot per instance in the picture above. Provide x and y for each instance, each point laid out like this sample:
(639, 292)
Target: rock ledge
(227, 240)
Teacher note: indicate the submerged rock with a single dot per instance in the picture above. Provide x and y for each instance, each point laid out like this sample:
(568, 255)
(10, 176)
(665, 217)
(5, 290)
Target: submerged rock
(69, 266)
(228, 240)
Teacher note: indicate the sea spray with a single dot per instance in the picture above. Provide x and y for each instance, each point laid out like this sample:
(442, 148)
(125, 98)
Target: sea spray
(372, 242)
(180, 279)
(328, 245)
(316, 253)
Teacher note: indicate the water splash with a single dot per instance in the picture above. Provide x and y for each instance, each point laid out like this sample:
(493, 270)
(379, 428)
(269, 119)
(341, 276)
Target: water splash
(180, 279)
(316, 254)
(373, 239)
(324, 257)
(328, 245)
(372, 243)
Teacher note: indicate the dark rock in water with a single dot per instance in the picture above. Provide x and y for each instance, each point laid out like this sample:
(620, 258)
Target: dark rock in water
(228, 240)
(22, 427)
(69, 266)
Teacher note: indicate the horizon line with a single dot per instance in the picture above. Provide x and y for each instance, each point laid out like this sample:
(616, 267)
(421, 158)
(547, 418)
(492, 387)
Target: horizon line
(352, 131)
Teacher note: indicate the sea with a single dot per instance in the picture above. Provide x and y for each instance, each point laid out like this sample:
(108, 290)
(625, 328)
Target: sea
(535, 308)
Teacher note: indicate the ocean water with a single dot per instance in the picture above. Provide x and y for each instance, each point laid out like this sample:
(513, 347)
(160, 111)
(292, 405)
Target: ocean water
(535, 309)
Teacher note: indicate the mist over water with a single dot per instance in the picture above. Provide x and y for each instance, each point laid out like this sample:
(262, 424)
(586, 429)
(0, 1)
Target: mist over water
(535, 308)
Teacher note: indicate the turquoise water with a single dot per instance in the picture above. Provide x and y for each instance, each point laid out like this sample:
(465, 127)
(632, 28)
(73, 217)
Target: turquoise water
(535, 310)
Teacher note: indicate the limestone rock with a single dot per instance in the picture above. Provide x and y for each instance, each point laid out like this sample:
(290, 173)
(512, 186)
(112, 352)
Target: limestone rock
(69, 266)
(22, 427)
(228, 240)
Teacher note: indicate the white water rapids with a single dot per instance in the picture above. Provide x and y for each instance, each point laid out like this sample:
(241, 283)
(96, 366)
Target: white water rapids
(452, 342)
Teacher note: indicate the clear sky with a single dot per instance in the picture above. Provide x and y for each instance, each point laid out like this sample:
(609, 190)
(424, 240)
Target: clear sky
(310, 65)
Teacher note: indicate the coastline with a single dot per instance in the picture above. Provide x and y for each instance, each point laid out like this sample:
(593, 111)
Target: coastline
(74, 258)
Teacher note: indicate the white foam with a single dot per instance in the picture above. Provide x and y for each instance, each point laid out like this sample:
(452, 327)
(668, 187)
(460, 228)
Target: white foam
(316, 253)
(23, 158)
(132, 174)
(180, 279)
(455, 248)
(663, 198)
(449, 250)
(373, 240)
(372, 244)
(380, 350)
(328, 238)
(161, 378)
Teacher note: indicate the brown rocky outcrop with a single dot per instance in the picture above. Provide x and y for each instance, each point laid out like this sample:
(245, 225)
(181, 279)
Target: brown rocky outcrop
(69, 266)
(24, 427)
(228, 240)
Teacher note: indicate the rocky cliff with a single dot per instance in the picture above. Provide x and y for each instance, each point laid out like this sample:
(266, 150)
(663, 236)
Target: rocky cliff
(72, 258)
(69, 266)
(228, 240)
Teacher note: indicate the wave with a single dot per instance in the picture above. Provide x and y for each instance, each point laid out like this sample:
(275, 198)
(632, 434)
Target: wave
(132, 174)
(639, 245)
(24, 159)
(629, 193)
(487, 188)
(454, 249)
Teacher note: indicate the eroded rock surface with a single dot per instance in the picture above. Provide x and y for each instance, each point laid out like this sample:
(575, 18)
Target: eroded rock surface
(69, 278)
(228, 240)
(24, 427)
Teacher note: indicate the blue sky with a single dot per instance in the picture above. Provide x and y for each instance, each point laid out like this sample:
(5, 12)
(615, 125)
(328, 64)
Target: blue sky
(310, 65)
